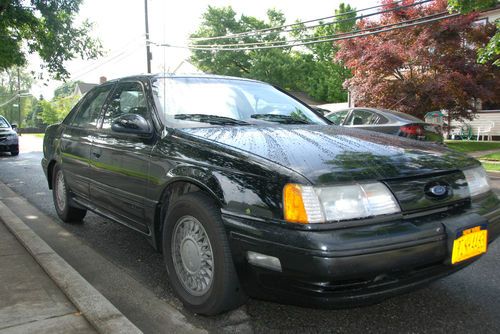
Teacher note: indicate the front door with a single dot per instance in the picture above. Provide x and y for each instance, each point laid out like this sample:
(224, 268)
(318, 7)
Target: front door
(76, 141)
(120, 162)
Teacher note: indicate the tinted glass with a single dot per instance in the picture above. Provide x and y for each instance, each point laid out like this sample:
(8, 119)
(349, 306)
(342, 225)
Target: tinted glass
(4, 123)
(402, 115)
(128, 98)
(90, 109)
(246, 101)
(338, 117)
(362, 117)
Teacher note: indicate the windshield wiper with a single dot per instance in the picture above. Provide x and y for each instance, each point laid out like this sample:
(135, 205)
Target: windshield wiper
(211, 119)
(284, 119)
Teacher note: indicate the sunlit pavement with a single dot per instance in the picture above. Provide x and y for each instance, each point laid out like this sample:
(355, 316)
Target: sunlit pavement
(136, 282)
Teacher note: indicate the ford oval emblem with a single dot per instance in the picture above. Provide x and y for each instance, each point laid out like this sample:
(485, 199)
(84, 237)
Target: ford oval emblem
(437, 189)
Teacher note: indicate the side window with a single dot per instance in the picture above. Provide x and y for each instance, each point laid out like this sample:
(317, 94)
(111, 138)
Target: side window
(381, 120)
(338, 117)
(361, 117)
(90, 108)
(128, 98)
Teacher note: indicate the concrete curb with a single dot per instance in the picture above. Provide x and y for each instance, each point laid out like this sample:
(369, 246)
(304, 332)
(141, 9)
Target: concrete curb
(99, 311)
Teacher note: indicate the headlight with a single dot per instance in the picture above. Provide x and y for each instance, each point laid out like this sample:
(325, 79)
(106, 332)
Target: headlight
(478, 181)
(307, 204)
(11, 137)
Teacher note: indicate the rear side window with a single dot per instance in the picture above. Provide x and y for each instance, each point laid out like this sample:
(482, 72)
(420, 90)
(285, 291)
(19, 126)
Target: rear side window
(90, 108)
(366, 117)
(338, 117)
(127, 98)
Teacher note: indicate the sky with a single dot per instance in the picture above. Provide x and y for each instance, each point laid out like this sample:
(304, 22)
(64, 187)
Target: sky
(119, 24)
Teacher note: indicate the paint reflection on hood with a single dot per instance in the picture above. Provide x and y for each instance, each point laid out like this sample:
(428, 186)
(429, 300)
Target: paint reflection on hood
(326, 154)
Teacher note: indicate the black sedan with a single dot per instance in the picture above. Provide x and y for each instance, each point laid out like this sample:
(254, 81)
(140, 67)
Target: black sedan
(247, 191)
(9, 142)
(387, 121)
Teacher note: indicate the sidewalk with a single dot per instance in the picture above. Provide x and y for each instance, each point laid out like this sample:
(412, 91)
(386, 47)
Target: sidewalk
(29, 300)
(42, 293)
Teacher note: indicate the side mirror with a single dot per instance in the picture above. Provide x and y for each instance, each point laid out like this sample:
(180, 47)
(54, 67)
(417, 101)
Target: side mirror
(131, 123)
(14, 126)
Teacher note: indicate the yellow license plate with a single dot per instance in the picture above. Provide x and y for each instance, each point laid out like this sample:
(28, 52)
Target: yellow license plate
(473, 242)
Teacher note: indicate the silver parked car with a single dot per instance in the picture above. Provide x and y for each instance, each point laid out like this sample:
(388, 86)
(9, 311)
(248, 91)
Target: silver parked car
(387, 121)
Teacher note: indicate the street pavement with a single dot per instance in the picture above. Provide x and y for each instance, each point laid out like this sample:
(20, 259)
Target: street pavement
(126, 270)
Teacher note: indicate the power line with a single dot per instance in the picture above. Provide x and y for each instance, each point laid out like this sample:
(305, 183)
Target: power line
(267, 31)
(355, 34)
(122, 50)
(13, 98)
(316, 38)
(252, 32)
(122, 55)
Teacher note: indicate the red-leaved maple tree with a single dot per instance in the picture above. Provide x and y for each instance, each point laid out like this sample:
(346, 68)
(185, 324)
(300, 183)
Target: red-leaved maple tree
(421, 68)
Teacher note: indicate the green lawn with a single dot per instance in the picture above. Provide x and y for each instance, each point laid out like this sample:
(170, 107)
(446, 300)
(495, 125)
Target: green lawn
(492, 157)
(472, 146)
(491, 162)
(491, 167)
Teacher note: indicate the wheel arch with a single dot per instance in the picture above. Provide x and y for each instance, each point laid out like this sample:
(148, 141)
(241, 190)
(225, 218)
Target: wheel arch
(50, 172)
(174, 189)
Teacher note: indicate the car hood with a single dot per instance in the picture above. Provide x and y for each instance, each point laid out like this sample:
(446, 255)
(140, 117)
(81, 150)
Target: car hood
(326, 154)
(5, 132)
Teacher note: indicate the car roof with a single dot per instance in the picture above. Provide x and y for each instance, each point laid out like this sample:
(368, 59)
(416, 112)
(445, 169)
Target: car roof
(174, 76)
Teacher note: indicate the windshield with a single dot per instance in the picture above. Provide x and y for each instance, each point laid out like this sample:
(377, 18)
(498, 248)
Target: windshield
(3, 123)
(217, 101)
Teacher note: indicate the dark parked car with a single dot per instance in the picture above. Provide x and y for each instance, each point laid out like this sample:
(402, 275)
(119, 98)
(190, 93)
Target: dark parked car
(387, 121)
(9, 142)
(247, 191)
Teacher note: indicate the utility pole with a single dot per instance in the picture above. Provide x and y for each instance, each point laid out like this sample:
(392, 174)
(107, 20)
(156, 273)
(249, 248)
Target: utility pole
(148, 52)
(18, 97)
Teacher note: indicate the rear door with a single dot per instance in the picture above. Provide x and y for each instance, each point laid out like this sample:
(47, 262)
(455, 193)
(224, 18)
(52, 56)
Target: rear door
(76, 141)
(120, 161)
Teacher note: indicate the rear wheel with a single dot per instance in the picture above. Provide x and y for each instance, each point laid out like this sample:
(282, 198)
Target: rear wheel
(62, 200)
(198, 258)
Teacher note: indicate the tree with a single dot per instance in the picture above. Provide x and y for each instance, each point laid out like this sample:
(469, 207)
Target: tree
(15, 81)
(491, 52)
(66, 89)
(223, 21)
(312, 71)
(57, 109)
(421, 68)
(49, 113)
(47, 28)
(325, 75)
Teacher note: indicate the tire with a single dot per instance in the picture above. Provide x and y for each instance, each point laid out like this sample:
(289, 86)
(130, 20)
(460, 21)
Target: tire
(62, 199)
(14, 153)
(195, 245)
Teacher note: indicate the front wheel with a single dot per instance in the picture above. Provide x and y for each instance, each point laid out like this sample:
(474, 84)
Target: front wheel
(198, 258)
(62, 200)
(15, 151)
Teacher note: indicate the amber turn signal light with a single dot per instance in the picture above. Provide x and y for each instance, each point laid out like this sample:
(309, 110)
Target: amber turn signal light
(293, 204)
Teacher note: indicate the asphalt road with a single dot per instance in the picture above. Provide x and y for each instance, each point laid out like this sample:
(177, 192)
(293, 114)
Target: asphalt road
(468, 301)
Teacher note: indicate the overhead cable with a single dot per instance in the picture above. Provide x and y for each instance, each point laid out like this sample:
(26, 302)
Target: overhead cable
(267, 31)
(355, 34)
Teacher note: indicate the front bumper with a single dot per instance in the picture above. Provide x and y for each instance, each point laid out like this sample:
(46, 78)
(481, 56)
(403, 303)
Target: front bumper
(352, 266)
(9, 146)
